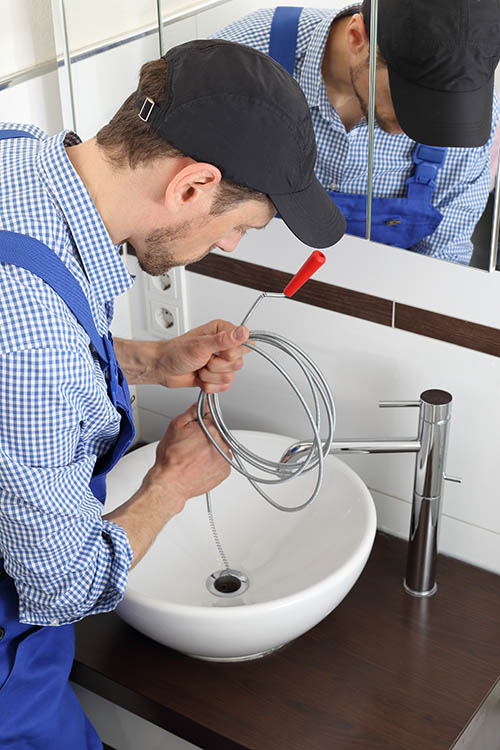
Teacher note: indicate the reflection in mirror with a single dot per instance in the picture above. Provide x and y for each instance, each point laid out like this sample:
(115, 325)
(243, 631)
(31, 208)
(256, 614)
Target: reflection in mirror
(456, 182)
(486, 232)
(426, 198)
(326, 51)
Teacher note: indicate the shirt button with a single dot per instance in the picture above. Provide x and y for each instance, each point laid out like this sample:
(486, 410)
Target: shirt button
(333, 186)
(2, 633)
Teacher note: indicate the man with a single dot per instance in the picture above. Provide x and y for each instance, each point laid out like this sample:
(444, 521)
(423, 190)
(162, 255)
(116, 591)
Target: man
(216, 138)
(435, 70)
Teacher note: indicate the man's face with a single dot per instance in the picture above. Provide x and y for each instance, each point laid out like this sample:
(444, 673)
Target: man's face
(385, 116)
(166, 247)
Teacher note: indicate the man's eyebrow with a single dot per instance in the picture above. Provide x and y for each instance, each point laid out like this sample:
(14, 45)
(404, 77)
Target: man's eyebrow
(262, 226)
(246, 227)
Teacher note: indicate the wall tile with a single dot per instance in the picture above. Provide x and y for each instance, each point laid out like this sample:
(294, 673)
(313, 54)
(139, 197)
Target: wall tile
(35, 102)
(464, 541)
(102, 83)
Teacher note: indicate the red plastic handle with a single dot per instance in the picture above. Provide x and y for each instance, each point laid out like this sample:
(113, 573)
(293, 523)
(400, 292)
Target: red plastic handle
(315, 260)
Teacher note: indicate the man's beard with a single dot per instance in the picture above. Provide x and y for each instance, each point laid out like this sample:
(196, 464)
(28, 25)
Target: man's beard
(356, 73)
(158, 256)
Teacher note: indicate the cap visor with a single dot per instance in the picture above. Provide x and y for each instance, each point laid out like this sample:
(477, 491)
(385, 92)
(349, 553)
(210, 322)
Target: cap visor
(311, 215)
(442, 118)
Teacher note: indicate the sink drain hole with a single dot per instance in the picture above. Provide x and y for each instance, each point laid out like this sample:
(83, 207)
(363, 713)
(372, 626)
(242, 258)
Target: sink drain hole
(227, 582)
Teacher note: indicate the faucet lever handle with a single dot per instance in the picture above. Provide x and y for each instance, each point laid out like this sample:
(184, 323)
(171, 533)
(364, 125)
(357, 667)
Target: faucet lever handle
(397, 404)
(447, 478)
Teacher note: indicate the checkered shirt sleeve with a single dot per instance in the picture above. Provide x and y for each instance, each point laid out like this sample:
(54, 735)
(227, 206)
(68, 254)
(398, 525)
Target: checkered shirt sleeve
(55, 415)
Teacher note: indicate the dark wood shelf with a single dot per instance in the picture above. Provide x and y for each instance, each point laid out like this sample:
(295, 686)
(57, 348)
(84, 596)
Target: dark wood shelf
(384, 671)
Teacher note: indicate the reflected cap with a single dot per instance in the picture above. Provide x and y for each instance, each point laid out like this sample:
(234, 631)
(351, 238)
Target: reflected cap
(234, 107)
(441, 57)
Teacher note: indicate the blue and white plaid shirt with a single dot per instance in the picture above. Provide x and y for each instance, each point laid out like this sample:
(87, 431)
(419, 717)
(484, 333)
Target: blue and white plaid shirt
(55, 414)
(462, 183)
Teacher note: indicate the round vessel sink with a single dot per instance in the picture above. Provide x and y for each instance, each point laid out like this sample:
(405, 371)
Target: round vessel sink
(288, 570)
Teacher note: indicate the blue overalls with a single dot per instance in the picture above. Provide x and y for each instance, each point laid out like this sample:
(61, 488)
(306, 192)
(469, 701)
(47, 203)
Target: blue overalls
(38, 708)
(400, 222)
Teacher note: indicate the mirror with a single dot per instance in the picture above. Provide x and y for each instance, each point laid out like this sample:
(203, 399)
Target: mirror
(366, 170)
(464, 192)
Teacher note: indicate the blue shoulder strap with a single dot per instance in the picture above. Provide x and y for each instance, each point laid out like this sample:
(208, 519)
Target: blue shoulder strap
(427, 160)
(283, 41)
(27, 252)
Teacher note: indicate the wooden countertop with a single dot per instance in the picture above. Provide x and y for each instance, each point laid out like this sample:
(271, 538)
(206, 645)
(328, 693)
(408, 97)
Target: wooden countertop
(384, 671)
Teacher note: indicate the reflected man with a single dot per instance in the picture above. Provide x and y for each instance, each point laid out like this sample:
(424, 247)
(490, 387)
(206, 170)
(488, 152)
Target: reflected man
(434, 88)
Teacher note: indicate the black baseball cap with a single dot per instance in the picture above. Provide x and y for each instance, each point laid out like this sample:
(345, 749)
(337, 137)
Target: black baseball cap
(441, 57)
(228, 105)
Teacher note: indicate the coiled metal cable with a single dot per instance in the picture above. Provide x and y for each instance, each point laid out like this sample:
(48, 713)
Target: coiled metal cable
(278, 472)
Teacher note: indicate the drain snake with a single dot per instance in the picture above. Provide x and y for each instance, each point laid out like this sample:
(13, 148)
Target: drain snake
(277, 472)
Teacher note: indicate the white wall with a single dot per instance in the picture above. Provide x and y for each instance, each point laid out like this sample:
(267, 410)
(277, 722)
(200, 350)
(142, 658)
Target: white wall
(27, 34)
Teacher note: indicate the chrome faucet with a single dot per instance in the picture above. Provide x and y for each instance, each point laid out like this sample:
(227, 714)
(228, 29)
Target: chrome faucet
(430, 447)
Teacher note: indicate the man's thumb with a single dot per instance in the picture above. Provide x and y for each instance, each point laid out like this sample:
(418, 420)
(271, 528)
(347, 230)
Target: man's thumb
(230, 339)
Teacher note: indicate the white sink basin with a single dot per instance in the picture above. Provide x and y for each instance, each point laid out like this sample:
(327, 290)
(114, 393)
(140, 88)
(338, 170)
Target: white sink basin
(299, 565)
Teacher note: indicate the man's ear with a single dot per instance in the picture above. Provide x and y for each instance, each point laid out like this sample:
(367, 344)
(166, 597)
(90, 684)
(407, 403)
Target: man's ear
(357, 39)
(193, 187)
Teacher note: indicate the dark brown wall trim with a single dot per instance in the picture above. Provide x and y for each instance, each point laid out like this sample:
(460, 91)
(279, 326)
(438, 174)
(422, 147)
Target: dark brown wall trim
(349, 302)
(442, 327)
(316, 293)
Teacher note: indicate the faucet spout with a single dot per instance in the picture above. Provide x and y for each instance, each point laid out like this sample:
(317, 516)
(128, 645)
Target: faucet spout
(358, 445)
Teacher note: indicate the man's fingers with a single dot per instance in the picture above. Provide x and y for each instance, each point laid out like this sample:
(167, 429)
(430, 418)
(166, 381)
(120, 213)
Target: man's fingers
(219, 439)
(228, 361)
(229, 339)
(191, 414)
(222, 377)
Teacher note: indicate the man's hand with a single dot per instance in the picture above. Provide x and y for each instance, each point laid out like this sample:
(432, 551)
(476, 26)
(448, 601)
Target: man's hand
(186, 461)
(187, 465)
(206, 357)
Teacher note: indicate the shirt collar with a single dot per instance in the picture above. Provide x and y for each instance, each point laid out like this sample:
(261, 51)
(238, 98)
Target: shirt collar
(310, 78)
(105, 269)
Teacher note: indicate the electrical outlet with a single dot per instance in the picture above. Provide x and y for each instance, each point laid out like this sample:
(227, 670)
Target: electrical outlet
(165, 283)
(159, 304)
(165, 319)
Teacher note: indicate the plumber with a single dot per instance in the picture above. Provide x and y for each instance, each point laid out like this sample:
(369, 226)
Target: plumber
(216, 139)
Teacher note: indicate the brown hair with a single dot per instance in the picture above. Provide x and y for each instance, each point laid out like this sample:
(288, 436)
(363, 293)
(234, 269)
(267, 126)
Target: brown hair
(128, 140)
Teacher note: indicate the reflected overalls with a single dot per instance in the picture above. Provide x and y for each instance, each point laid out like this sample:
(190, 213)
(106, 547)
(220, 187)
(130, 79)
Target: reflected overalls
(38, 709)
(400, 222)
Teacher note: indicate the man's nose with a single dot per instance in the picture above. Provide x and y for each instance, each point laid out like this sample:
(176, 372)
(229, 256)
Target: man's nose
(230, 242)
